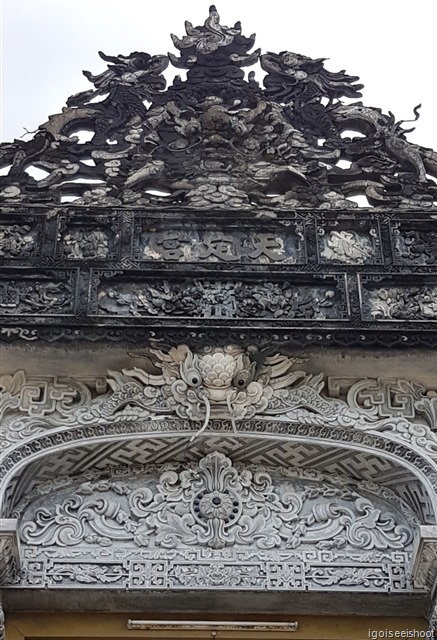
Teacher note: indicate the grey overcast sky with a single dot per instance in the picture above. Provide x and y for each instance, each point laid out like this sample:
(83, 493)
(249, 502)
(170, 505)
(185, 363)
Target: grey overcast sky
(390, 45)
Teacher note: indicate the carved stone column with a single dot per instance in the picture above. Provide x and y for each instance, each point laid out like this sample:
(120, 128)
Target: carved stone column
(2, 622)
(432, 619)
(9, 551)
(424, 559)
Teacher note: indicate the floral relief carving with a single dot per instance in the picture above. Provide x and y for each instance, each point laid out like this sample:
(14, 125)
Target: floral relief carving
(221, 299)
(218, 574)
(413, 303)
(16, 241)
(348, 247)
(86, 243)
(215, 505)
(415, 246)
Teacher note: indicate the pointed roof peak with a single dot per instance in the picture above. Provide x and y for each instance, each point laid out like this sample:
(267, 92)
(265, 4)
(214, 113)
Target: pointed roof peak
(218, 138)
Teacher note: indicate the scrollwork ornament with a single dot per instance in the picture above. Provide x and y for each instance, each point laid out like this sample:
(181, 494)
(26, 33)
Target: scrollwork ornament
(215, 505)
(216, 383)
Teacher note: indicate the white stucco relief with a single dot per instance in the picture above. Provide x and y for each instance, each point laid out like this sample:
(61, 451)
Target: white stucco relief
(214, 524)
(215, 505)
(219, 383)
(234, 525)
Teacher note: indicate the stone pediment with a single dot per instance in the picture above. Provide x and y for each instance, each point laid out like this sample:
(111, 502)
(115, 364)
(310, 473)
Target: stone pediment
(219, 138)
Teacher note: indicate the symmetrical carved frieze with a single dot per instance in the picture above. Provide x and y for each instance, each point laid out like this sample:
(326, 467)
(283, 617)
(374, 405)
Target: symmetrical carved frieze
(221, 206)
(212, 524)
(219, 171)
(214, 505)
(217, 139)
(229, 383)
(257, 271)
(217, 570)
(257, 237)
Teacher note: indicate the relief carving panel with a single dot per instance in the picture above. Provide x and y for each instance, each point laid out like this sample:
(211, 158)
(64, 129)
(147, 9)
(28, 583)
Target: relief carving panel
(395, 299)
(38, 294)
(414, 243)
(215, 505)
(215, 524)
(18, 241)
(350, 241)
(207, 298)
(88, 237)
(226, 383)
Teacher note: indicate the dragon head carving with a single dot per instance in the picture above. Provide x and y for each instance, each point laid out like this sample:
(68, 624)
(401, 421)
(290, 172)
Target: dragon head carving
(221, 382)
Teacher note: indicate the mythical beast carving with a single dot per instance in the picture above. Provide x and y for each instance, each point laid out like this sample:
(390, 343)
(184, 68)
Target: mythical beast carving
(219, 139)
(226, 382)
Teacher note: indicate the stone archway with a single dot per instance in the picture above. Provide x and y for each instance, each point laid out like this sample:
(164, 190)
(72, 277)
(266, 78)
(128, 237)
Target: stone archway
(336, 484)
(317, 544)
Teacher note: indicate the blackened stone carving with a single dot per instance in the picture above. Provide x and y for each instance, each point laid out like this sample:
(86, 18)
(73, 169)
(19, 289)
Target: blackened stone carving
(348, 247)
(222, 200)
(25, 298)
(220, 299)
(415, 244)
(299, 80)
(219, 140)
(85, 243)
(222, 246)
(37, 295)
(391, 300)
(408, 304)
(16, 241)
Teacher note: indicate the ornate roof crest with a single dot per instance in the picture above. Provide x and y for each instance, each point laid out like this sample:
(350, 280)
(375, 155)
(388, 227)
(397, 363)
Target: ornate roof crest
(218, 139)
